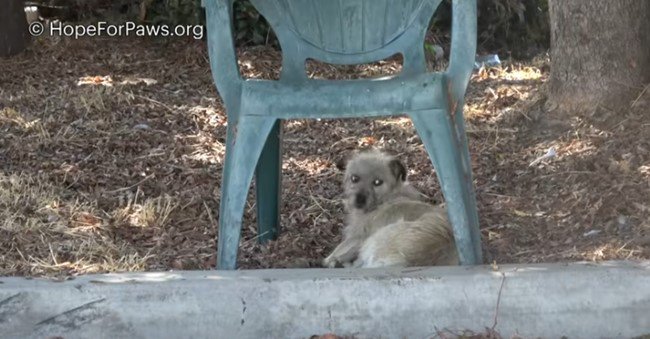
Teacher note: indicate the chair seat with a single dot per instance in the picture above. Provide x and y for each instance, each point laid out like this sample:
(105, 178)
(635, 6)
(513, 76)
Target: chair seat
(344, 98)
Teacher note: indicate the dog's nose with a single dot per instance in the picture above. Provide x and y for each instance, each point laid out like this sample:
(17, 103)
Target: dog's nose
(360, 200)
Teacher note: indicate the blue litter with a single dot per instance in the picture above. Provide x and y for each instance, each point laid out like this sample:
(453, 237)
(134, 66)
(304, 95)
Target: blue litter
(490, 60)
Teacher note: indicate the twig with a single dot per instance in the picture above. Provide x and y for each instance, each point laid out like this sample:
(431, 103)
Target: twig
(566, 172)
(620, 123)
(207, 209)
(491, 130)
(523, 252)
(500, 195)
(134, 185)
(496, 313)
(254, 238)
(550, 153)
(640, 95)
(52, 254)
(311, 195)
(157, 102)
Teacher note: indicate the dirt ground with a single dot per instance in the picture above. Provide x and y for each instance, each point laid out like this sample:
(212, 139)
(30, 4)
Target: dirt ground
(111, 152)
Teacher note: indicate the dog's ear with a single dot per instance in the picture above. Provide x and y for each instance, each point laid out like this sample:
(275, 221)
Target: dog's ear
(398, 169)
(341, 163)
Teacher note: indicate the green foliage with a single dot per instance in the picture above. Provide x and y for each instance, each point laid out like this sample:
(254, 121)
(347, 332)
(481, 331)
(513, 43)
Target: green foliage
(251, 28)
(507, 27)
(514, 26)
(175, 12)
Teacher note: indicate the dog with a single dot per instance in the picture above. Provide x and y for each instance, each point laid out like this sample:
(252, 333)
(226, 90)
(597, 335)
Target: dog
(388, 223)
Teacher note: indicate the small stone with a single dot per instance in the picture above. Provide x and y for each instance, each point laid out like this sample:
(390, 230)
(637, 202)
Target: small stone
(591, 233)
(142, 126)
(624, 224)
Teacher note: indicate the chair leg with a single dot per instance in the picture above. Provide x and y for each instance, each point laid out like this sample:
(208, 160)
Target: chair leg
(244, 143)
(444, 138)
(268, 182)
(463, 147)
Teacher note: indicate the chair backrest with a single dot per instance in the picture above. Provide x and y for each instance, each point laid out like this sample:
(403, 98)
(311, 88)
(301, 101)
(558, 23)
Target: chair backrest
(348, 31)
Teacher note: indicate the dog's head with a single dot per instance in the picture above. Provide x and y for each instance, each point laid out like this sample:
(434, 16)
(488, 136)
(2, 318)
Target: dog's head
(371, 177)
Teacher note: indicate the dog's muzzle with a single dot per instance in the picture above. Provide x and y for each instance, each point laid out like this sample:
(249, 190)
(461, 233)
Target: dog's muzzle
(360, 200)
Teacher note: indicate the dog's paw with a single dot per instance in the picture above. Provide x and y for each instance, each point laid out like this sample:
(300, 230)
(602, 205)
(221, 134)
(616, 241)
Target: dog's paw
(348, 264)
(358, 263)
(297, 263)
(328, 262)
(331, 262)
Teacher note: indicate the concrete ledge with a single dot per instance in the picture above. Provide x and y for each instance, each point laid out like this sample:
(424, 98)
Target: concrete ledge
(580, 300)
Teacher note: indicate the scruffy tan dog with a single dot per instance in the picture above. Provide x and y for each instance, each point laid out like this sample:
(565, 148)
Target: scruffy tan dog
(388, 223)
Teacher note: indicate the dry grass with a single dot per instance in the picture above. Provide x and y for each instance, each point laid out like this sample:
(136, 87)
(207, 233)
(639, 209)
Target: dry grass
(111, 151)
(53, 235)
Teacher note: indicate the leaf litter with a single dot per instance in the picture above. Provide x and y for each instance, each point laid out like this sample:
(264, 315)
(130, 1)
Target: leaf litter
(111, 155)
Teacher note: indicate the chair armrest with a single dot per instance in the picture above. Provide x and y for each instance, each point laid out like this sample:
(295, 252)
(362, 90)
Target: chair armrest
(221, 49)
(463, 48)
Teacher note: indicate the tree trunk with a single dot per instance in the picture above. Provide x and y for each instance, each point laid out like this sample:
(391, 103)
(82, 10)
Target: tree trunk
(600, 53)
(14, 35)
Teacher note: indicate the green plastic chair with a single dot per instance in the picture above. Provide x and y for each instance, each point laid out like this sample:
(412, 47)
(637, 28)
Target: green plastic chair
(341, 32)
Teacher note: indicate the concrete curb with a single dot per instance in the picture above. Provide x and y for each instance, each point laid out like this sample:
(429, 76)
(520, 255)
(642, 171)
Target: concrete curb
(578, 300)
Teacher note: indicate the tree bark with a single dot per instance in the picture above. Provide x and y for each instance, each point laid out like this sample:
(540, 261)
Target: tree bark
(600, 53)
(14, 35)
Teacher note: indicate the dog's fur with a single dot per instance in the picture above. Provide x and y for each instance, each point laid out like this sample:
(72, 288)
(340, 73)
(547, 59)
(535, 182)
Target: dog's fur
(388, 223)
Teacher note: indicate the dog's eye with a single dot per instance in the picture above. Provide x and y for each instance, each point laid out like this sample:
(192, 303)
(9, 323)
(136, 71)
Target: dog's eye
(377, 182)
(354, 179)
